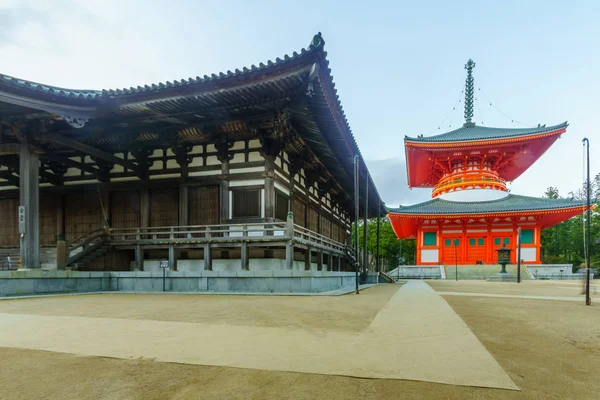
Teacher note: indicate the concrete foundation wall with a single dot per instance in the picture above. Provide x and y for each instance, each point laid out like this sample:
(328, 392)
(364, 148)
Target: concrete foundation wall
(551, 270)
(15, 283)
(418, 272)
(229, 265)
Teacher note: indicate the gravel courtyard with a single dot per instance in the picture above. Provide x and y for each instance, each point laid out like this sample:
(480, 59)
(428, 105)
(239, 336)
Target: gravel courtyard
(549, 348)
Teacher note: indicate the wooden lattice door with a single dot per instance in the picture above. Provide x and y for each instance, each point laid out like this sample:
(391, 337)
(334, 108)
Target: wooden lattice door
(203, 205)
(164, 207)
(299, 210)
(9, 226)
(83, 214)
(48, 220)
(125, 209)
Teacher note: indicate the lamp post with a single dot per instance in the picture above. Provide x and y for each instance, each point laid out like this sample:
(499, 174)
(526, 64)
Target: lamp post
(503, 258)
(356, 210)
(588, 300)
(519, 255)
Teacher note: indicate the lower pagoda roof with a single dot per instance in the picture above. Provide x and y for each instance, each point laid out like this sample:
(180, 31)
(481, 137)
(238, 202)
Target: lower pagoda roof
(510, 203)
(548, 212)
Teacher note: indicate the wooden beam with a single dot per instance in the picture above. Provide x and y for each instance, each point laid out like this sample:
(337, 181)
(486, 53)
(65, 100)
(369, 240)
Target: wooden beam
(69, 163)
(65, 141)
(12, 179)
(9, 148)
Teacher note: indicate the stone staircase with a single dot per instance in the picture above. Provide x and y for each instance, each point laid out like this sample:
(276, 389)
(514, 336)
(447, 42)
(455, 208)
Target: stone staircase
(91, 256)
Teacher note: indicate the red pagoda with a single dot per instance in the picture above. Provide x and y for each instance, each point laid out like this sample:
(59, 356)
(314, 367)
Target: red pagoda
(472, 214)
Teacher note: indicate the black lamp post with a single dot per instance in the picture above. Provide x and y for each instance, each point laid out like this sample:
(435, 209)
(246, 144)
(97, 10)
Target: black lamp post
(588, 238)
(503, 258)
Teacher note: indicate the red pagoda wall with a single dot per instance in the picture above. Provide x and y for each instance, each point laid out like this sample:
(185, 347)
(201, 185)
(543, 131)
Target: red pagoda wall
(467, 243)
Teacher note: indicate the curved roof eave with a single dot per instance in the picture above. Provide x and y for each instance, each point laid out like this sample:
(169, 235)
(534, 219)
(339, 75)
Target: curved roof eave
(476, 133)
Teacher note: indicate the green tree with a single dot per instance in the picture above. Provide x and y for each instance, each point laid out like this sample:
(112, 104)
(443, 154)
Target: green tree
(392, 250)
(565, 242)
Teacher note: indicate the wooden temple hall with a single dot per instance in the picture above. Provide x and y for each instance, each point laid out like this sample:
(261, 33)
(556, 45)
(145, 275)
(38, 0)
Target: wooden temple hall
(249, 169)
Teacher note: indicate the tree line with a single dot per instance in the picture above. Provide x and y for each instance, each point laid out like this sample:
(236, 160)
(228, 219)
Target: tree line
(565, 243)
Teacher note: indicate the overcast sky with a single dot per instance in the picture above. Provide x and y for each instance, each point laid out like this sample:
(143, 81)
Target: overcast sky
(398, 66)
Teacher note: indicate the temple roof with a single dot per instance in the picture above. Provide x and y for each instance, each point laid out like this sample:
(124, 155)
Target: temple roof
(510, 203)
(191, 109)
(472, 132)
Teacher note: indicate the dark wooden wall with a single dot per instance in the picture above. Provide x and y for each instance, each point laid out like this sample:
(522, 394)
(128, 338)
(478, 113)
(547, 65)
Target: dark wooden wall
(164, 207)
(203, 205)
(125, 209)
(48, 220)
(9, 225)
(83, 214)
(299, 210)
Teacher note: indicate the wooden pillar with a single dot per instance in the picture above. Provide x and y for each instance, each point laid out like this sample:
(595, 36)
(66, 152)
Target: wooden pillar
(29, 219)
(60, 216)
(62, 247)
(307, 259)
(184, 212)
(289, 247)
(172, 258)
(339, 263)
(139, 258)
(224, 195)
(144, 208)
(207, 257)
(320, 260)
(244, 256)
(269, 188)
(106, 217)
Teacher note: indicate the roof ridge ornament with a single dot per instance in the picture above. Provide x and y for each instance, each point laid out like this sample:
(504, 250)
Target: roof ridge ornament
(469, 88)
(317, 41)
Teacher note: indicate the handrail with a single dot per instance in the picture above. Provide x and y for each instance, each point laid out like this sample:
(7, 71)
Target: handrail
(83, 237)
(316, 238)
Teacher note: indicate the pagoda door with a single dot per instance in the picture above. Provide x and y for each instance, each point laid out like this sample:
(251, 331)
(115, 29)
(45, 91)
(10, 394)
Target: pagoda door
(475, 250)
(451, 251)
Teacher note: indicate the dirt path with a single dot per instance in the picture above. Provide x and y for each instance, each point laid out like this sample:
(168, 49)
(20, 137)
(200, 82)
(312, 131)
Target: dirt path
(415, 336)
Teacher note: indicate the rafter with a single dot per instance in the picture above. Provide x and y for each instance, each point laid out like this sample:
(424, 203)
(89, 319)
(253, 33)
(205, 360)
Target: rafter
(55, 138)
(69, 162)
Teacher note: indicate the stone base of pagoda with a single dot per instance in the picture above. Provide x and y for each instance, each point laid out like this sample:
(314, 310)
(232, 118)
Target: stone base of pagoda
(502, 277)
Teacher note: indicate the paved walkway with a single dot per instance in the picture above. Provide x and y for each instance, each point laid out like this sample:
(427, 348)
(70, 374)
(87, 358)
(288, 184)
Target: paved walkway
(416, 336)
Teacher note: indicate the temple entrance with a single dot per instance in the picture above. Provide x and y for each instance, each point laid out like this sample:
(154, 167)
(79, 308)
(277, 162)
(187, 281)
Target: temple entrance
(451, 251)
(475, 250)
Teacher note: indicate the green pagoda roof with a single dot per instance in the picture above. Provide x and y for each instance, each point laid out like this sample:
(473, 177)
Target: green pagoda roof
(512, 202)
(475, 132)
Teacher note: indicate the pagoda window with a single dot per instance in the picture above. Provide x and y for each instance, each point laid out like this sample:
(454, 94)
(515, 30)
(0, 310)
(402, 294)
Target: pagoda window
(472, 242)
(281, 206)
(527, 236)
(447, 242)
(246, 203)
(506, 241)
(481, 241)
(429, 238)
(496, 241)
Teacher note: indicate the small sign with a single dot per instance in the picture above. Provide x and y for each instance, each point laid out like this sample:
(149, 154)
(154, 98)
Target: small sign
(164, 263)
(21, 219)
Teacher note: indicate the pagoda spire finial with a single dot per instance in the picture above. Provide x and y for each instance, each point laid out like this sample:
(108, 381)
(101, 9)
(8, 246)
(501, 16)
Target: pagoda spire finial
(469, 88)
